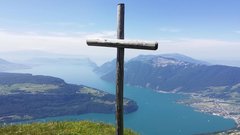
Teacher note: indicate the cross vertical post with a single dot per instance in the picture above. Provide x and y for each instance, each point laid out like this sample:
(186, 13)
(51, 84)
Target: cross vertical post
(120, 44)
(120, 71)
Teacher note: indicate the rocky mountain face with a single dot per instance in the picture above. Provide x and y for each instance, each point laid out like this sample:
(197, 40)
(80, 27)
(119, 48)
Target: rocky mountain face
(184, 58)
(173, 74)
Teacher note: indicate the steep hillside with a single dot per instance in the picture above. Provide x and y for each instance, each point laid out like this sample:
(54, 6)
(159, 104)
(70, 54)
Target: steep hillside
(168, 74)
(213, 89)
(26, 97)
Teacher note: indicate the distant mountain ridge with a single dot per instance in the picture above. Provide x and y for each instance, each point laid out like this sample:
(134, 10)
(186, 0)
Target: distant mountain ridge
(169, 74)
(37, 57)
(106, 67)
(2, 61)
(174, 57)
(7, 66)
(61, 60)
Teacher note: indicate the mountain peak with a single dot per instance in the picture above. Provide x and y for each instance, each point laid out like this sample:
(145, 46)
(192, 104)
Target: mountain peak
(160, 61)
(184, 58)
(172, 59)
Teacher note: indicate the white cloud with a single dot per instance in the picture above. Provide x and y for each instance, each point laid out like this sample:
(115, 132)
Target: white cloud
(104, 34)
(56, 42)
(203, 48)
(75, 44)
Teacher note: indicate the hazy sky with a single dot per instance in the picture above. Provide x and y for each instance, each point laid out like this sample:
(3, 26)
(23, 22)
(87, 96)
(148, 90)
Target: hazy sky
(203, 29)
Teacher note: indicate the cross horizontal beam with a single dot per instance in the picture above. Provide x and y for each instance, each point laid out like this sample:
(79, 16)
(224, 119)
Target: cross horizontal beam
(120, 43)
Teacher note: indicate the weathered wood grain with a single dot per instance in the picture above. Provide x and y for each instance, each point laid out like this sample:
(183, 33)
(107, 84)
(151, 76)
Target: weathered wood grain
(120, 43)
(120, 72)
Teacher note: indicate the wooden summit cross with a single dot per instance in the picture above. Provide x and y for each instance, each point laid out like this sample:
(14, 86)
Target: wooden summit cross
(120, 44)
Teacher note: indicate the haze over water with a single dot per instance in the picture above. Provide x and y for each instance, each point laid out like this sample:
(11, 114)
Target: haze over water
(158, 113)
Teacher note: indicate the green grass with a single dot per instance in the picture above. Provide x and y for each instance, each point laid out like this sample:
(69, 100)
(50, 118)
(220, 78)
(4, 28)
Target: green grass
(62, 128)
(27, 87)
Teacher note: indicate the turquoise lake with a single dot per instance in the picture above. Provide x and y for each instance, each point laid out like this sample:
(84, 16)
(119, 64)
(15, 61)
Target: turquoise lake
(158, 113)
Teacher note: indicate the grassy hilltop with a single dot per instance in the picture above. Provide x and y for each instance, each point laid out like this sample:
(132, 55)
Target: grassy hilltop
(62, 128)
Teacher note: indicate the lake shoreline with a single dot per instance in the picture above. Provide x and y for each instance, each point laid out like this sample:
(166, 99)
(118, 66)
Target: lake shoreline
(157, 109)
(198, 109)
(213, 106)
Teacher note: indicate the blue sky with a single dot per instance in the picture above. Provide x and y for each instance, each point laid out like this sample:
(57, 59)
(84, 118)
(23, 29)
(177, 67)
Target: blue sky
(204, 29)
